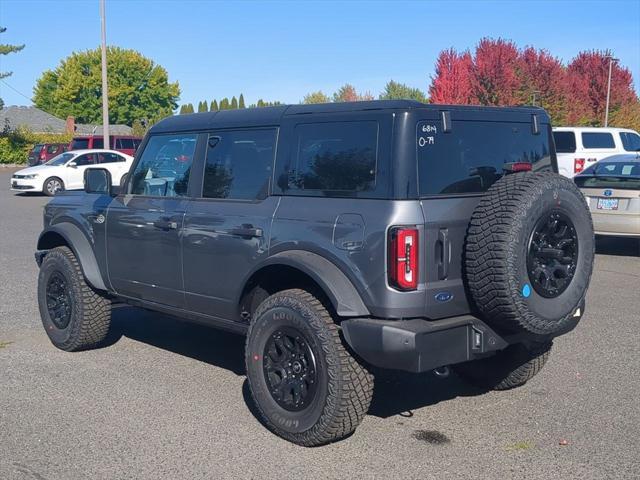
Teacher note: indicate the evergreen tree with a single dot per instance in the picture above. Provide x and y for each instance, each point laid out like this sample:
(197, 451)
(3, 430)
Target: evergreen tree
(202, 107)
(189, 108)
(183, 109)
(234, 103)
(224, 104)
(214, 106)
(241, 102)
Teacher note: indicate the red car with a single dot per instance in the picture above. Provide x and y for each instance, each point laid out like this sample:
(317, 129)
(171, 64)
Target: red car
(43, 152)
(122, 143)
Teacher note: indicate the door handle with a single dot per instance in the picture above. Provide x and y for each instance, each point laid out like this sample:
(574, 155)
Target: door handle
(246, 232)
(445, 253)
(165, 224)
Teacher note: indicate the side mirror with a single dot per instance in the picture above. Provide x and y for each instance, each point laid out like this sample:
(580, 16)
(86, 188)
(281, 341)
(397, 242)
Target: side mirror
(97, 180)
(72, 164)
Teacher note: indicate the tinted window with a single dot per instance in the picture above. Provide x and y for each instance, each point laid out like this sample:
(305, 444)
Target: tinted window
(239, 164)
(124, 143)
(630, 141)
(79, 143)
(621, 175)
(165, 166)
(86, 159)
(472, 156)
(565, 142)
(334, 157)
(37, 148)
(136, 144)
(52, 149)
(98, 142)
(597, 140)
(109, 158)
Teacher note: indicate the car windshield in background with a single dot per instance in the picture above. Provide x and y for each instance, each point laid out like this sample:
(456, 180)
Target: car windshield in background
(473, 157)
(79, 144)
(565, 142)
(620, 175)
(60, 159)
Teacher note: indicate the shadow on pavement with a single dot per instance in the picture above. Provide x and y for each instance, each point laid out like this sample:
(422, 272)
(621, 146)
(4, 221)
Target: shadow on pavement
(620, 246)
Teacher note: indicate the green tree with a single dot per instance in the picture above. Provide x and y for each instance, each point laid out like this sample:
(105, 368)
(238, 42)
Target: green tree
(202, 107)
(138, 128)
(224, 104)
(316, 97)
(183, 109)
(214, 106)
(234, 103)
(400, 91)
(6, 49)
(241, 102)
(138, 88)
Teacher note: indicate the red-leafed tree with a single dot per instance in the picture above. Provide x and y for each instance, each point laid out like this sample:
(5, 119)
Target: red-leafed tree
(494, 76)
(587, 76)
(542, 82)
(452, 81)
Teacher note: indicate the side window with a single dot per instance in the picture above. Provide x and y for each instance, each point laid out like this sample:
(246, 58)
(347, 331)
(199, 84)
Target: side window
(334, 157)
(239, 164)
(165, 166)
(117, 144)
(630, 141)
(98, 142)
(125, 143)
(565, 142)
(52, 149)
(86, 159)
(597, 140)
(109, 158)
(136, 144)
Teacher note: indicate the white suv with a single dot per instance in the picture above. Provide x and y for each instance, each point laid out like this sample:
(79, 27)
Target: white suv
(66, 171)
(579, 147)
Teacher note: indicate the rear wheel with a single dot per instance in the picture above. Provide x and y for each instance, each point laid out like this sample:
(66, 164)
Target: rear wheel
(307, 387)
(509, 368)
(52, 185)
(75, 316)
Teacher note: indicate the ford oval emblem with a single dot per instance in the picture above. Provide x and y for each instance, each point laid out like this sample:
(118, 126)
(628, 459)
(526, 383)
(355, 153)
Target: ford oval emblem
(608, 193)
(444, 296)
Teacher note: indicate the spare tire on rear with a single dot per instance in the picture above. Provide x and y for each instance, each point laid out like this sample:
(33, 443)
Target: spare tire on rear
(529, 253)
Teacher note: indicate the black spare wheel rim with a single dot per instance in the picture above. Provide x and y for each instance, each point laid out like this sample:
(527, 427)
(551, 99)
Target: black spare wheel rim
(553, 254)
(58, 300)
(290, 369)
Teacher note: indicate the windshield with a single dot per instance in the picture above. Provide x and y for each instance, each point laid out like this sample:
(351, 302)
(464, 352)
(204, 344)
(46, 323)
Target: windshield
(80, 144)
(37, 148)
(620, 175)
(60, 159)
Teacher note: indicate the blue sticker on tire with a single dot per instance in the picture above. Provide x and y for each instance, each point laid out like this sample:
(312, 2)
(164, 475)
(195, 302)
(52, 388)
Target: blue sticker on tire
(526, 290)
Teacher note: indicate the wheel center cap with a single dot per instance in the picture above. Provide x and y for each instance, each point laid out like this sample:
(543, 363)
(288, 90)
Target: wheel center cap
(297, 367)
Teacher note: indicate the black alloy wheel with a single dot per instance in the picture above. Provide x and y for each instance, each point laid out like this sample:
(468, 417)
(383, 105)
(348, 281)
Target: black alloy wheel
(58, 300)
(553, 254)
(290, 369)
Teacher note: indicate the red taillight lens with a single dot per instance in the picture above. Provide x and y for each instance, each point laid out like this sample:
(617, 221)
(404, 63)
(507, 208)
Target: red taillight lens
(403, 258)
(43, 155)
(578, 165)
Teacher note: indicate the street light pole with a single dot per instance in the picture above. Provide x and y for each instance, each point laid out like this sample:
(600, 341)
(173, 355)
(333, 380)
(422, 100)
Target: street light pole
(606, 110)
(105, 90)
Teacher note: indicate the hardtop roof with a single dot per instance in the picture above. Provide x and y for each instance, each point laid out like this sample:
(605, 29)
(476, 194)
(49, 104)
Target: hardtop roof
(263, 116)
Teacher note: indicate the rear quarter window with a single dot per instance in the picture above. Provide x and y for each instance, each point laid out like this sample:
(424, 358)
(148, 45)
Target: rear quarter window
(597, 140)
(472, 156)
(565, 142)
(630, 141)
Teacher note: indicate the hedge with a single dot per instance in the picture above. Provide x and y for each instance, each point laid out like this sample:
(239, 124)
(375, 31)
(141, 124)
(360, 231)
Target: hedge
(15, 144)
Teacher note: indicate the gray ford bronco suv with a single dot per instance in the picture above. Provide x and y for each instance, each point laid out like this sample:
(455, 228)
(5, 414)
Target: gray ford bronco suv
(342, 239)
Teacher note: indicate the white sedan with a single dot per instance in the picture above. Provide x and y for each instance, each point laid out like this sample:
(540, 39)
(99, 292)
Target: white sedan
(66, 171)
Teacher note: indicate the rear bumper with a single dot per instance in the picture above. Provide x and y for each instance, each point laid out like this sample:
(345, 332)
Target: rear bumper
(419, 345)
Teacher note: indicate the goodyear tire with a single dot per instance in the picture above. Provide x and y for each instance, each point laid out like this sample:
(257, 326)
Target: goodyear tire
(509, 368)
(307, 388)
(75, 316)
(529, 253)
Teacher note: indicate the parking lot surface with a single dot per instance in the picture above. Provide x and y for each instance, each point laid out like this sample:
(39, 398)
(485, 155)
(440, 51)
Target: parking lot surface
(168, 399)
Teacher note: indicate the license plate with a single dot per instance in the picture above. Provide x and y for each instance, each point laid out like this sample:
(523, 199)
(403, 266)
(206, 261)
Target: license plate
(14, 184)
(607, 204)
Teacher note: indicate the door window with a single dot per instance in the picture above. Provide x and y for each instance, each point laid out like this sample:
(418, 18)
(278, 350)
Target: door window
(109, 158)
(51, 149)
(98, 142)
(86, 159)
(239, 164)
(165, 165)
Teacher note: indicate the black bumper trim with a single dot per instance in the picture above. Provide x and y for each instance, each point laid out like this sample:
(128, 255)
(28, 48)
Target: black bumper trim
(420, 345)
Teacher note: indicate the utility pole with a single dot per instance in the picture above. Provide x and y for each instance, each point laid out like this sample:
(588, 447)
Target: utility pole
(606, 111)
(105, 90)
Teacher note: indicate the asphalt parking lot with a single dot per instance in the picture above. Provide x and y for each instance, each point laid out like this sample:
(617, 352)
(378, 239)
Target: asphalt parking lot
(168, 399)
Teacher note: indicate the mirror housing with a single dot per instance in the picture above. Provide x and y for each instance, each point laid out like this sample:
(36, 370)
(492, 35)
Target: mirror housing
(97, 180)
(72, 164)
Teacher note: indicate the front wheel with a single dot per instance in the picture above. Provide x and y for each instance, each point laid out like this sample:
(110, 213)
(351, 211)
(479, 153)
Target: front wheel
(307, 387)
(52, 185)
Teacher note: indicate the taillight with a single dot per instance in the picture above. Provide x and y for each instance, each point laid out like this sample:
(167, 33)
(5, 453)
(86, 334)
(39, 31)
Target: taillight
(42, 154)
(403, 258)
(578, 165)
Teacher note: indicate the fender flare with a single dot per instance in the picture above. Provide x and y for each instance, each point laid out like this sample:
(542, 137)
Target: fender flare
(82, 249)
(340, 290)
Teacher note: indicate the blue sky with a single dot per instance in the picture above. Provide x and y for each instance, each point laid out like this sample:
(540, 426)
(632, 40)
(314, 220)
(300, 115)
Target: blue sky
(282, 50)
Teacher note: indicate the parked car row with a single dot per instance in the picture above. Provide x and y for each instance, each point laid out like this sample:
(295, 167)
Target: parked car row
(43, 152)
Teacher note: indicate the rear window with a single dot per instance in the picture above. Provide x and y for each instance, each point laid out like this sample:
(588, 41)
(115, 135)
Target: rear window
(472, 157)
(597, 140)
(620, 175)
(79, 144)
(630, 141)
(565, 142)
(334, 157)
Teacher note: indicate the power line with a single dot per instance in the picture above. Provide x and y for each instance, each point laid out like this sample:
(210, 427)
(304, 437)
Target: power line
(15, 90)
